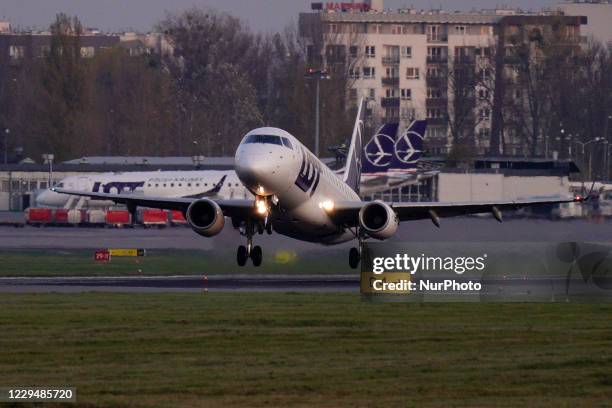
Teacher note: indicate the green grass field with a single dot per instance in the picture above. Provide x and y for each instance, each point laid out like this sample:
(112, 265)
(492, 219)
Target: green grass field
(305, 350)
(50, 262)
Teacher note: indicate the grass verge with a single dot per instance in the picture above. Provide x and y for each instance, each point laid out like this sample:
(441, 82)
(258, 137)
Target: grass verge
(305, 349)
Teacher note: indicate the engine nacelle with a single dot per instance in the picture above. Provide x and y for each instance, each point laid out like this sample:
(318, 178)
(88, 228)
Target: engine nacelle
(205, 217)
(378, 220)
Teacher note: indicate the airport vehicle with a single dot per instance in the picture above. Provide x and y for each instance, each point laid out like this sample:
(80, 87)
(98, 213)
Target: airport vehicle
(297, 195)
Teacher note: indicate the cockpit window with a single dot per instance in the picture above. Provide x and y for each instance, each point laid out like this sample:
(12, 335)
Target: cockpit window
(269, 139)
(59, 185)
(287, 143)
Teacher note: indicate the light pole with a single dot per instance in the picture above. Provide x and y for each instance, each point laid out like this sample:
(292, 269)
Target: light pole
(583, 145)
(6, 136)
(317, 75)
(48, 159)
(606, 141)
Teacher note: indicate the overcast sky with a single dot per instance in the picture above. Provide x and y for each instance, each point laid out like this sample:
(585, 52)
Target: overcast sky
(141, 15)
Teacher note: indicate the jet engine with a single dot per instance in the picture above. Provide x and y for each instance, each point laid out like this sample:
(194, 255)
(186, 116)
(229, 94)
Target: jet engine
(378, 220)
(205, 217)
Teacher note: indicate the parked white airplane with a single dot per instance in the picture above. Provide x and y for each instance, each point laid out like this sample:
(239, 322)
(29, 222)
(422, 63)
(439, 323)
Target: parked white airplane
(298, 196)
(190, 184)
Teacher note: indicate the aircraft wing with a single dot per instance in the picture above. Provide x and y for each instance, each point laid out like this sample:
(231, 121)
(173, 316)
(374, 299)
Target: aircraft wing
(231, 208)
(346, 212)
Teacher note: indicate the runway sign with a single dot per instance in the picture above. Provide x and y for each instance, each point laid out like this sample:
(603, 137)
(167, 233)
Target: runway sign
(102, 256)
(127, 252)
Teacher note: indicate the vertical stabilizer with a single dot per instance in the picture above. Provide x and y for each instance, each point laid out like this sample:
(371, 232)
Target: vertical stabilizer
(379, 151)
(352, 173)
(408, 148)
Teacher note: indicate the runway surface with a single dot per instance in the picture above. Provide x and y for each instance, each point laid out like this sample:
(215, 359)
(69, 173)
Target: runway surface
(467, 229)
(546, 289)
(245, 283)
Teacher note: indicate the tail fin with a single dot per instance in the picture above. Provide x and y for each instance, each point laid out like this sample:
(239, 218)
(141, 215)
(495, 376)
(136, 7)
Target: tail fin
(352, 173)
(409, 148)
(379, 151)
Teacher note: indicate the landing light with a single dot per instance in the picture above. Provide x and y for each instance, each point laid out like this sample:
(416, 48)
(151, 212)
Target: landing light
(261, 206)
(261, 190)
(327, 205)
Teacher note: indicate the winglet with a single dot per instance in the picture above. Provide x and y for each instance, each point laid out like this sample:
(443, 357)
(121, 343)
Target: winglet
(352, 173)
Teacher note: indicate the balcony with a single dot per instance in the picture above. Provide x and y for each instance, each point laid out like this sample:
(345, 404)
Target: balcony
(390, 81)
(394, 60)
(437, 121)
(437, 59)
(437, 81)
(437, 38)
(436, 103)
(390, 102)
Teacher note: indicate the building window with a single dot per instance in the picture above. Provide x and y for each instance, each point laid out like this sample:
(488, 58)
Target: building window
(483, 94)
(412, 73)
(376, 29)
(485, 113)
(433, 113)
(332, 28)
(392, 72)
(369, 72)
(433, 33)
(370, 51)
(406, 93)
(484, 132)
(460, 30)
(396, 29)
(391, 92)
(371, 93)
(407, 52)
(353, 50)
(353, 72)
(16, 51)
(391, 113)
(87, 52)
(434, 93)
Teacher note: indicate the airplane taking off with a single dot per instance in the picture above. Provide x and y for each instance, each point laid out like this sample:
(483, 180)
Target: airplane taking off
(298, 196)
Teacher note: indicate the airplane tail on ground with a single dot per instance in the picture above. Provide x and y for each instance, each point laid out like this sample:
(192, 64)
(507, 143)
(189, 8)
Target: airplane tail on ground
(378, 152)
(408, 148)
(352, 172)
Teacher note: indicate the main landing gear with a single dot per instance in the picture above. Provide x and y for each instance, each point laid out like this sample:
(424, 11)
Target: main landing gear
(355, 253)
(249, 251)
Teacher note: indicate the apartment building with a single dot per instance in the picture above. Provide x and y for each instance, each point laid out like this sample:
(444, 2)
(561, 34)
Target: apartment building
(401, 61)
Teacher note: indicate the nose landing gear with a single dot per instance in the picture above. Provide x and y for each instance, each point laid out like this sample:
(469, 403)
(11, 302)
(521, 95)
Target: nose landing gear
(249, 251)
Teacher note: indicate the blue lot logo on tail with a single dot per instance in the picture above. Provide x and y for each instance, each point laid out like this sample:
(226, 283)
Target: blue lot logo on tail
(409, 147)
(378, 152)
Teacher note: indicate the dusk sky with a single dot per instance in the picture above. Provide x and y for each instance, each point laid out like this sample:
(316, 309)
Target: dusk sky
(141, 15)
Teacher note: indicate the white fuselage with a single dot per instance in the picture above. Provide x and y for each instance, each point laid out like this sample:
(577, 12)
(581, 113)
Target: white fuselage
(298, 182)
(150, 183)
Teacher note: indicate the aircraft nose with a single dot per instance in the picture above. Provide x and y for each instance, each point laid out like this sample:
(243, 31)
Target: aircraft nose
(257, 171)
(45, 198)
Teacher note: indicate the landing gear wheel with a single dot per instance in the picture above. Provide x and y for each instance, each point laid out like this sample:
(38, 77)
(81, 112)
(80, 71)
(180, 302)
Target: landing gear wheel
(257, 255)
(354, 258)
(260, 228)
(269, 228)
(242, 255)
